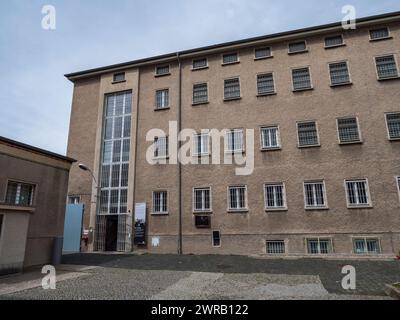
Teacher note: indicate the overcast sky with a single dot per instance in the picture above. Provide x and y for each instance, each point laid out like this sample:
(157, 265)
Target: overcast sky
(36, 98)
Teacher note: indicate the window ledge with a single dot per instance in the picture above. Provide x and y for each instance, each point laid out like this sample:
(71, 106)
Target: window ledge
(116, 82)
(266, 94)
(394, 139)
(9, 207)
(309, 146)
(162, 75)
(270, 149)
(162, 109)
(201, 68)
(335, 46)
(238, 210)
(229, 63)
(263, 58)
(159, 213)
(381, 39)
(341, 84)
(232, 99)
(305, 89)
(389, 78)
(198, 212)
(200, 103)
(350, 142)
(360, 207)
(298, 52)
(316, 208)
(276, 209)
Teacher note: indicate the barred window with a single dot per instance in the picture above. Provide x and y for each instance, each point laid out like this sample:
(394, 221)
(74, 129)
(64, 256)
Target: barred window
(162, 99)
(333, 41)
(160, 202)
(393, 125)
(160, 147)
(307, 134)
(339, 73)
(201, 199)
(319, 246)
(314, 194)
(265, 84)
(201, 143)
(274, 195)
(298, 46)
(301, 79)
(234, 141)
(19, 194)
(230, 58)
(118, 77)
(200, 93)
(74, 199)
(199, 63)
(366, 246)
(357, 193)
(380, 33)
(261, 53)
(270, 138)
(348, 130)
(162, 70)
(275, 246)
(386, 67)
(237, 198)
(231, 89)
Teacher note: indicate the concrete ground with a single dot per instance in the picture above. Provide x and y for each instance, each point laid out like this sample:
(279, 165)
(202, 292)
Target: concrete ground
(163, 277)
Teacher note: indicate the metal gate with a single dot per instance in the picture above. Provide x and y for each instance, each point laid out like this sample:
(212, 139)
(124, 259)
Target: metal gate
(73, 228)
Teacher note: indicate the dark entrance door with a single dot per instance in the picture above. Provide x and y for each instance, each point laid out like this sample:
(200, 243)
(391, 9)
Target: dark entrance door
(111, 233)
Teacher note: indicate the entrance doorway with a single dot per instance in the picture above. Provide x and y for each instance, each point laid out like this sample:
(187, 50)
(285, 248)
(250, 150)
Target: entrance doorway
(111, 233)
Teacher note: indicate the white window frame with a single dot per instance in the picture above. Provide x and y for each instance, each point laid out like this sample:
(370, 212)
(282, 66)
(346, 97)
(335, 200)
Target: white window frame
(266, 57)
(298, 41)
(278, 138)
(204, 210)
(387, 125)
(160, 213)
(273, 81)
(337, 45)
(358, 128)
(246, 208)
(226, 141)
(273, 184)
(311, 80)
(229, 63)
(72, 197)
(331, 251)
(395, 61)
(365, 238)
(19, 183)
(324, 192)
(356, 206)
(169, 99)
(166, 147)
(276, 240)
(199, 68)
(318, 144)
(162, 74)
(378, 39)
(195, 144)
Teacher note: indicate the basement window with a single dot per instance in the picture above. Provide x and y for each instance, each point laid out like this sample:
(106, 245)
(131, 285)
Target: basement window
(275, 247)
(216, 239)
(366, 246)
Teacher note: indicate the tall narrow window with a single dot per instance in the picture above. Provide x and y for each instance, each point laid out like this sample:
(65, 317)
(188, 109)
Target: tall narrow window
(393, 125)
(237, 198)
(201, 199)
(265, 84)
(19, 194)
(348, 130)
(231, 89)
(230, 58)
(307, 134)
(162, 99)
(201, 144)
(160, 147)
(378, 34)
(319, 246)
(386, 67)
(357, 193)
(315, 194)
(301, 79)
(270, 138)
(115, 158)
(216, 240)
(160, 202)
(339, 73)
(234, 141)
(366, 246)
(274, 195)
(200, 93)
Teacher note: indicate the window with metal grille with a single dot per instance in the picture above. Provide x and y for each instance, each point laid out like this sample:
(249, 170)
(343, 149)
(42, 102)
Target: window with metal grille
(118, 77)
(237, 198)
(231, 89)
(348, 130)
(307, 134)
(199, 63)
(270, 138)
(230, 58)
(319, 246)
(160, 202)
(160, 147)
(333, 41)
(366, 246)
(386, 67)
(301, 79)
(265, 84)
(274, 195)
(201, 143)
(234, 141)
(393, 125)
(275, 246)
(261, 53)
(162, 70)
(201, 199)
(314, 194)
(162, 99)
(216, 239)
(74, 200)
(299, 46)
(200, 93)
(339, 73)
(380, 33)
(19, 194)
(357, 193)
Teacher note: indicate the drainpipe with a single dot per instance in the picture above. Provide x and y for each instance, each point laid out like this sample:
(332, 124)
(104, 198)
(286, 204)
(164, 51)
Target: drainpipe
(180, 250)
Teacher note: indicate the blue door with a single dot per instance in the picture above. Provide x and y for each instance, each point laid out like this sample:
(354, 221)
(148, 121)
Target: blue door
(73, 228)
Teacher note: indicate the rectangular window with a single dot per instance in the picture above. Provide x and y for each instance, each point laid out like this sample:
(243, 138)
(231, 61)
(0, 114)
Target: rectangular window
(119, 77)
(274, 195)
(319, 246)
(270, 138)
(234, 141)
(160, 202)
(201, 199)
(261, 53)
(216, 239)
(237, 198)
(299, 46)
(202, 221)
(230, 58)
(393, 125)
(307, 134)
(162, 99)
(199, 63)
(339, 73)
(357, 193)
(386, 67)
(201, 144)
(377, 34)
(19, 194)
(348, 130)
(160, 147)
(366, 246)
(275, 247)
(231, 89)
(200, 93)
(314, 194)
(74, 200)
(333, 41)
(265, 84)
(301, 79)
(162, 70)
